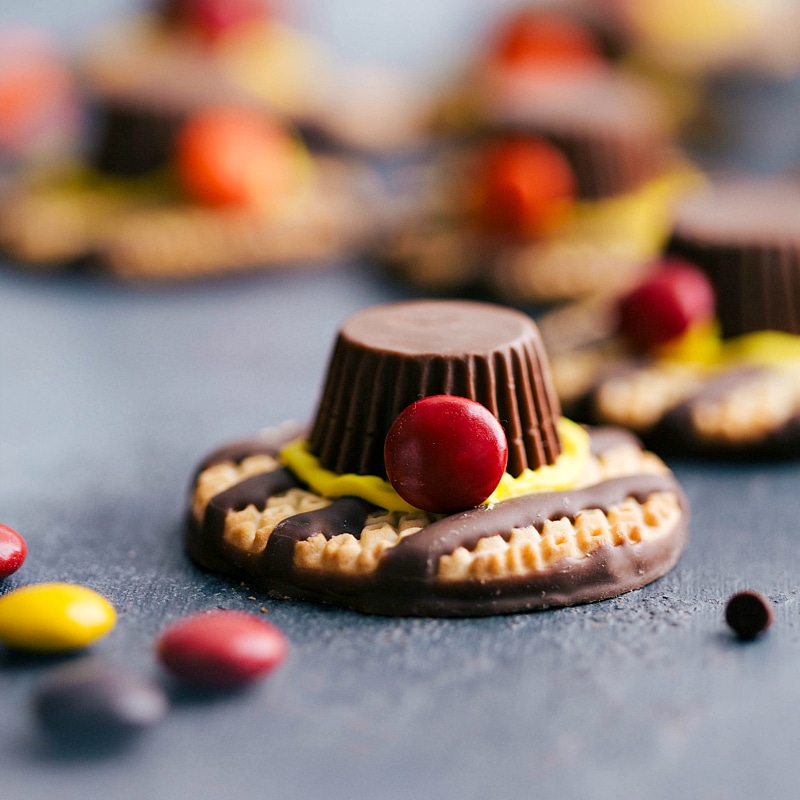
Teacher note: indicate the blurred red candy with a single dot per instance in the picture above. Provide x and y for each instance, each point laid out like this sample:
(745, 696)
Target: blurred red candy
(526, 187)
(221, 649)
(541, 39)
(38, 104)
(666, 304)
(212, 19)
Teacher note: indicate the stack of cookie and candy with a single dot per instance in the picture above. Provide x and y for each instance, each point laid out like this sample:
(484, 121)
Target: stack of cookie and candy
(438, 478)
(703, 356)
(555, 175)
(195, 160)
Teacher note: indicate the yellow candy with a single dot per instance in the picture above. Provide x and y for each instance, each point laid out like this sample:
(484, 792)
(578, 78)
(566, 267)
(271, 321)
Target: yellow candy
(54, 617)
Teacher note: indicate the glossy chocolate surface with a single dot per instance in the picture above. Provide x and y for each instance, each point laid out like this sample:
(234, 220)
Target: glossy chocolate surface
(388, 356)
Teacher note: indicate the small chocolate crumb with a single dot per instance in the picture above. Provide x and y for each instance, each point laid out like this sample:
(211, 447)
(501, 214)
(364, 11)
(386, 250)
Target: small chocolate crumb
(749, 614)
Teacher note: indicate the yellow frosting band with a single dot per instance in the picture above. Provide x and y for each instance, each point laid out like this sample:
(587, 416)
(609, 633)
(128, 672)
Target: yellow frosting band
(638, 222)
(703, 345)
(551, 477)
(563, 474)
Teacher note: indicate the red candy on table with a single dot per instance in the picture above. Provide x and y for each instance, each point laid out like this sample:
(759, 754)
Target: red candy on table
(221, 649)
(666, 304)
(445, 453)
(12, 551)
(526, 187)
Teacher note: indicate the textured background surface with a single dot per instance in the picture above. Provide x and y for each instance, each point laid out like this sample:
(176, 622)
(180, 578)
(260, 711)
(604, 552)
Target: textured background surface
(108, 397)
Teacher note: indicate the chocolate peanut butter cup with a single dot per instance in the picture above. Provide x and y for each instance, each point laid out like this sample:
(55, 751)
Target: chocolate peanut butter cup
(590, 516)
(745, 235)
(612, 129)
(386, 357)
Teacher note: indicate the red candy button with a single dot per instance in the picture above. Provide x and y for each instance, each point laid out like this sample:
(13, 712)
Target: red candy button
(525, 187)
(445, 453)
(664, 306)
(12, 551)
(221, 649)
(237, 157)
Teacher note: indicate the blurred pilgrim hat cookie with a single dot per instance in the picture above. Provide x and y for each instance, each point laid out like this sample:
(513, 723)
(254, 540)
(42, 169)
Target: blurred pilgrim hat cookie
(438, 478)
(234, 190)
(562, 191)
(150, 69)
(704, 356)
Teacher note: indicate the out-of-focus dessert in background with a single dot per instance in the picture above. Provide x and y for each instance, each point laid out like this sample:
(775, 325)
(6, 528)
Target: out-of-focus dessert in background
(40, 112)
(730, 68)
(236, 191)
(195, 156)
(179, 54)
(703, 356)
(555, 175)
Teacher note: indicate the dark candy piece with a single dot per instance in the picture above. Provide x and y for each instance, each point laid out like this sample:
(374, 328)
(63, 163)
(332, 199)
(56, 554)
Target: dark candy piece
(221, 649)
(749, 614)
(93, 701)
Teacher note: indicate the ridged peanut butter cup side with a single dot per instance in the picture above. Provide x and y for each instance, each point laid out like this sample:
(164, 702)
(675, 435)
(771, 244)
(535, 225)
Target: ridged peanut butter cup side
(745, 235)
(611, 128)
(388, 356)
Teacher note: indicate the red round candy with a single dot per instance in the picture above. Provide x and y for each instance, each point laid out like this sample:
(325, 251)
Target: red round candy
(229, 156)
(445, 453)
(221, 649)
(212, 19)
(666, 304)
(525, 187)
(12, 551)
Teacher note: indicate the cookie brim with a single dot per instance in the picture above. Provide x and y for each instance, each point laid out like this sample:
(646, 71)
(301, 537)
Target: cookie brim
(406, 583)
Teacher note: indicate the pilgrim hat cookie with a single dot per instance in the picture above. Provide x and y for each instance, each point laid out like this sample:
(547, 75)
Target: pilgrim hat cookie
(149, 69)
(234, 190)
(564, 189)
(703, 356)
(438, 479)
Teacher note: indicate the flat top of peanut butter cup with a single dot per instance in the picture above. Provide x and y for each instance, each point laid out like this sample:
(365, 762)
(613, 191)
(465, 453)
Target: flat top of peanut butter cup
(738, 209)
(438, 327)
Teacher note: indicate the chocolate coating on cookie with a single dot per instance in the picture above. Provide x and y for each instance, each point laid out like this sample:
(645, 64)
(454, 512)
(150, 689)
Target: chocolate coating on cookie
(405, 580)
(745, 235)
(388, 356)
(741, 412)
